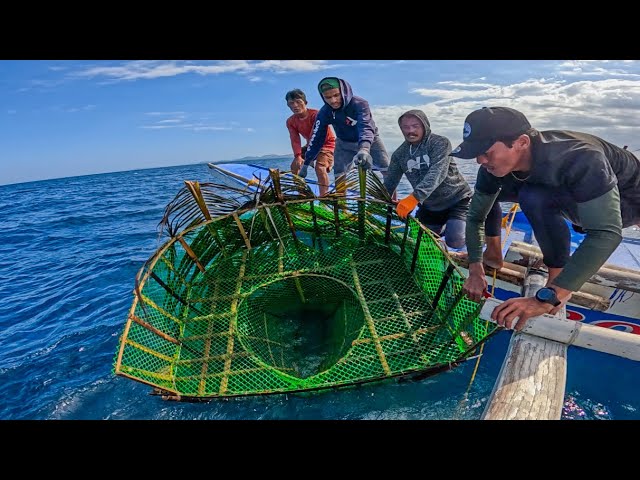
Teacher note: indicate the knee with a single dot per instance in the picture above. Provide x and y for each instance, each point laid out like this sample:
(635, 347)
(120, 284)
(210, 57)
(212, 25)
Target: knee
(454, 241)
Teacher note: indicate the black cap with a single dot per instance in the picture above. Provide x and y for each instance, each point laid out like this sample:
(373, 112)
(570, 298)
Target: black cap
(482, 128)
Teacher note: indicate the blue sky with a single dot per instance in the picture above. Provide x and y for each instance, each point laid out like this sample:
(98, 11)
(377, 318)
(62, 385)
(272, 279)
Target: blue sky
(61, 118)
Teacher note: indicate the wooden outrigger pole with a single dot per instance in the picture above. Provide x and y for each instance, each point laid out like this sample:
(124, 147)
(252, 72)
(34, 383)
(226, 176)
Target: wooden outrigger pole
(531, 382)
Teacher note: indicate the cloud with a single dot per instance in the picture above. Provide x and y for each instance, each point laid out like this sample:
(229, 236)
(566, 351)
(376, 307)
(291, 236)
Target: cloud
(606, 108)
(42, 85)
(164, 113)
(68, 109)
(598, 68)
(138, 70)
(84, 108)
(182, 121)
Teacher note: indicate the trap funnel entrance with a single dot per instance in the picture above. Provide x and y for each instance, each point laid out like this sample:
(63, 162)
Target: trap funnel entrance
(301, 325)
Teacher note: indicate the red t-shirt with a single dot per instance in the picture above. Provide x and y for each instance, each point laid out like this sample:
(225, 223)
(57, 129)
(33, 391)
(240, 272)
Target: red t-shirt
(304, 127)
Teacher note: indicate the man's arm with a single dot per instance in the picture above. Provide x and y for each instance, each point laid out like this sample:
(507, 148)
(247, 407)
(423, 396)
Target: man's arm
(438, 169)
(366, 132)
(602, 221)
(479, 209)
(476, 284)
(318, 136)
(394, 174)
(294, 135)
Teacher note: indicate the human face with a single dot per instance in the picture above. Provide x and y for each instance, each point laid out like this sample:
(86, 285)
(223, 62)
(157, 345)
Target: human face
(333, 97)
(297, 106)
(412, 129)
(499, 160)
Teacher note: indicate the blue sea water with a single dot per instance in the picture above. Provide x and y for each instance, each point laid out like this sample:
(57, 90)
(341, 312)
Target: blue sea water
(70, 251)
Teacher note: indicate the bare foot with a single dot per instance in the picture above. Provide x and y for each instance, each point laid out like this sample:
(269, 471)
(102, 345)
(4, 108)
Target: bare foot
(492, 256)
(493, 262)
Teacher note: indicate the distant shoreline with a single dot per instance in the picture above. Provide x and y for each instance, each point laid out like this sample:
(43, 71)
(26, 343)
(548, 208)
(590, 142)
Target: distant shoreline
(251, 159)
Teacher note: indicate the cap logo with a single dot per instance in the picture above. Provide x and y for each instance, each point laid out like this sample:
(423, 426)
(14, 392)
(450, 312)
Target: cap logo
(466, 130)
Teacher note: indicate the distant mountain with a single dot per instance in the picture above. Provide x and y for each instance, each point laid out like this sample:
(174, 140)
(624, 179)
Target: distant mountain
(253, 159)
(265, 157)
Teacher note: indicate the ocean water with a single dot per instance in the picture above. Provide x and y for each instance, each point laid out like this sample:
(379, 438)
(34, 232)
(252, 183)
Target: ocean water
(71, 249)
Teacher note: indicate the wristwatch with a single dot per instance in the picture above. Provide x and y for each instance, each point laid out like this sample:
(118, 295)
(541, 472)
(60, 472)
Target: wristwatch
(547, 295)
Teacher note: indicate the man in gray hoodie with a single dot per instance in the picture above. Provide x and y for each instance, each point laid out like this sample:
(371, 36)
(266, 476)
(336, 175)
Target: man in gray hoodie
(438, 187)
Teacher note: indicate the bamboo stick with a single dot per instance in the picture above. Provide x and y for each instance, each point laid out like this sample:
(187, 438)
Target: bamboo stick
(403, 315)
(532, 379)
(514, 274)
(191, 254)
(127, 327)
(395, 336)
(608, 275)
(207, 344)
(153, 329)
(248, 181)
(369, 319)
(296, 280)
(230, 342)
(606, 340)
(242, 231)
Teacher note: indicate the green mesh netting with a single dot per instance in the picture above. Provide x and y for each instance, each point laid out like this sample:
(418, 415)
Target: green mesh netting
(290, 292)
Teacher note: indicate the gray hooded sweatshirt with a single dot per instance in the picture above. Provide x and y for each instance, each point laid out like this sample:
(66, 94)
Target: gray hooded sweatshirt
(430, 170)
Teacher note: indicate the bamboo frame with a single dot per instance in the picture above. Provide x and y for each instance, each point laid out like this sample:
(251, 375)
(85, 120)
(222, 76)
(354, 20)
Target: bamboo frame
(232, 326)
(360, 222)
(369, 319)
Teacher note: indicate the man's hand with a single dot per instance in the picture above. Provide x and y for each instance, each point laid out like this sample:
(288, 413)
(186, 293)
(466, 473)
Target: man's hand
(296, 165)
(363, 158)
(406, 206)
(305, 168)
(475, 286)
(524, 308)
(563, 295)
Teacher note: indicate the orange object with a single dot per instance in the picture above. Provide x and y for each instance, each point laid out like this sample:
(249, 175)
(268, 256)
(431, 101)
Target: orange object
(406, 205)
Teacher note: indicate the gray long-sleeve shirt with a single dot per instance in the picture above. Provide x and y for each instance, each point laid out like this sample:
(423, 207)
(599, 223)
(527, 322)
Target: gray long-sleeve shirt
(430, 170)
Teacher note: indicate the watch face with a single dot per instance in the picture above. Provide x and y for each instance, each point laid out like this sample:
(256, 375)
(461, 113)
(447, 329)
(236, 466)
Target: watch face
(545, 294)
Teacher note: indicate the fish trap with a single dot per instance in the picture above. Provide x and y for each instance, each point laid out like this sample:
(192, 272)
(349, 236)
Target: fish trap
(268, 289)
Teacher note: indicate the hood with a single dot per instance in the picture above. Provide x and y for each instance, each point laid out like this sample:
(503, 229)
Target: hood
(423, 118)
(345, 90)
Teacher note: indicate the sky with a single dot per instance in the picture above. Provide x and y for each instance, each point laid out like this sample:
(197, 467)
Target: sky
(62, 118)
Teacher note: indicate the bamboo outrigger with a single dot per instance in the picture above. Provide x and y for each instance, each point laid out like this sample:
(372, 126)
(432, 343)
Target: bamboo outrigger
(531, 382)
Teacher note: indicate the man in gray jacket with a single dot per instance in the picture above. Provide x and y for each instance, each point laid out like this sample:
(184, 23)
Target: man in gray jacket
(438, 187)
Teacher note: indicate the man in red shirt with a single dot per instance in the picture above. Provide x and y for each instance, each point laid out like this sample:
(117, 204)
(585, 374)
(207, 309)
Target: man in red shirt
(301, 123)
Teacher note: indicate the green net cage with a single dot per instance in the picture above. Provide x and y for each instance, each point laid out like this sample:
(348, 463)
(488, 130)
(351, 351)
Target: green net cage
(267, 289)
